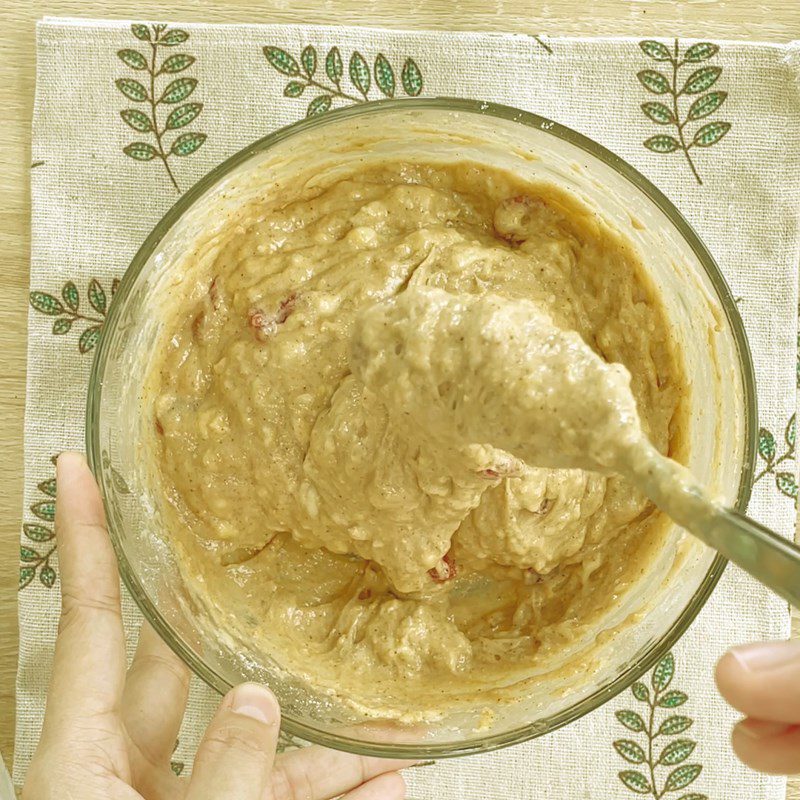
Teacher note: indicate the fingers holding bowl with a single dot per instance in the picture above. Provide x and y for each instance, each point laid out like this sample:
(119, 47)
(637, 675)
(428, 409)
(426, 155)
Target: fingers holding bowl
(320, 773)
(762, 681)
(89, 662)
(153, 705)
(389, 786)
(236, 755)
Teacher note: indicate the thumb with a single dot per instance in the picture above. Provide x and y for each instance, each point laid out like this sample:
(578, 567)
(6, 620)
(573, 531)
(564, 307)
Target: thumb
(235, 757)
(763, 680)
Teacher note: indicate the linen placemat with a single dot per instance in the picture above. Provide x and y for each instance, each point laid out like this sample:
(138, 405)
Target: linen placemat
(128, 115)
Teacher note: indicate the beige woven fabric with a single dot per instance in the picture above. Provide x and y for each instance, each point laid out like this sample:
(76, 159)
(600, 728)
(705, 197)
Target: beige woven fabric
(102, 178)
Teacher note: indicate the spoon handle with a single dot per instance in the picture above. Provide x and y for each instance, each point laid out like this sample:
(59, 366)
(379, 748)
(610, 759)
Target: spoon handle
(769, 558)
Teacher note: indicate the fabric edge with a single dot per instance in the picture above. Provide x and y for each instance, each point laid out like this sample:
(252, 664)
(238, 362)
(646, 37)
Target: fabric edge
(93, 22)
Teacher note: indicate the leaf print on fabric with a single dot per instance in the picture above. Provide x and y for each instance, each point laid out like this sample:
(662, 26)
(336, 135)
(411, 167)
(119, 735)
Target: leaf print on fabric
(359, 73)
(768, 447)
(38, 540)
(176, 766)
(368, 81)
(148, 116)
(71, 314)
(659, 757)
(674, 84)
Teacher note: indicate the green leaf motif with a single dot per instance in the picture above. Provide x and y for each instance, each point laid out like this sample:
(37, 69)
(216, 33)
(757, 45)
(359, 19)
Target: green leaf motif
(700, 80)
(662, 674)
(711, 133)
(334, 68)
(673, 725)
(137, 120)
(45, 509)
(766, 445)
(37, 533)
(653, 81)
(693, 796)
(47, 575)
(282, 61)
(141, 151)
(178, 90)
(635, 781)
(89, 339)
(173, 37)
(662, 143)
(133, 59)
(706, 105)
(132, 89)
(97, 297)
(61, 326)
(384, 75)
(70, 295)
(641, 692)
(787, 484)
(177, 767)
(359, 73)
(630, 751)
(319, 105)
(309, 59)
(46, 303)
(177, 63)
(659, 113)
(701, 52)
(28, 554)
(791, 431)
(187, 143)
(676, 752)
(294, 89)
(141, 32)
(656, 50)
(682, 777)
(631, 720)
(119, 482)
(412, 78)
(48, 487)
(671, 114)
(183, 115)
(26, 575)
(672, 699)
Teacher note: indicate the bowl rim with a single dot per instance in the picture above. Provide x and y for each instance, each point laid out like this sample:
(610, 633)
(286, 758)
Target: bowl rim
(637, 668)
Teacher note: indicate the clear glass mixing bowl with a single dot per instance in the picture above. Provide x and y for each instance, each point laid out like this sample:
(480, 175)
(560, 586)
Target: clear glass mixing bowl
(703, 316)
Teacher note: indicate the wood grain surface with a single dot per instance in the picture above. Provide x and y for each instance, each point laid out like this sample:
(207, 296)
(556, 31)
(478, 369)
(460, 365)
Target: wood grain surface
(775, 20)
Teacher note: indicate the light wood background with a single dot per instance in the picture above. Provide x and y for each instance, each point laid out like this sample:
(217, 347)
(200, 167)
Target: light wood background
(771, 20)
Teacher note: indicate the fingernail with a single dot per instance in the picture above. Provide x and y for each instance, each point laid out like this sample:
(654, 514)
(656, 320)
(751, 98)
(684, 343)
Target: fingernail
(766, 655)
(256, 702)
(761, 729)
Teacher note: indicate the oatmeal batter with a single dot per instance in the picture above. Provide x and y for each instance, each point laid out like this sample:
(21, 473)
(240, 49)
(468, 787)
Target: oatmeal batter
(330, 510)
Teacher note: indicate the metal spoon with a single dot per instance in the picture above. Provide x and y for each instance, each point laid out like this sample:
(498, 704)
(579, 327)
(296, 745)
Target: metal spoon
(768, 557)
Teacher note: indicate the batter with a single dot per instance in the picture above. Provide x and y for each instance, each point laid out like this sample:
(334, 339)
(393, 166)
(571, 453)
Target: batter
(331, 514)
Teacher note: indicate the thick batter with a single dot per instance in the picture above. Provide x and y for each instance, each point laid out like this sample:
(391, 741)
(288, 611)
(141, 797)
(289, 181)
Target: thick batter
(341, 527)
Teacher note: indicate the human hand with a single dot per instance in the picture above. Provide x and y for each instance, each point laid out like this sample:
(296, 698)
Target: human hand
(762, 681)
(109, 735)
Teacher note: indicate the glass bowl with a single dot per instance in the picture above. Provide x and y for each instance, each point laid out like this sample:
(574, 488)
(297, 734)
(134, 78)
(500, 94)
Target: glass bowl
(702, 314)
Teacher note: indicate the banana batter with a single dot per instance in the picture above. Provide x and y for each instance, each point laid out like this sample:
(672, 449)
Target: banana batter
(338, 524)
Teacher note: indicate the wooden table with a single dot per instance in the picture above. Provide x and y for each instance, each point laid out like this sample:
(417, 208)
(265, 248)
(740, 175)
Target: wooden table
(773, 20)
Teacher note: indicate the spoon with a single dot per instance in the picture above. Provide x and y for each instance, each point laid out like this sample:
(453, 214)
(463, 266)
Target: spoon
(771, 559)
(461, 369)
